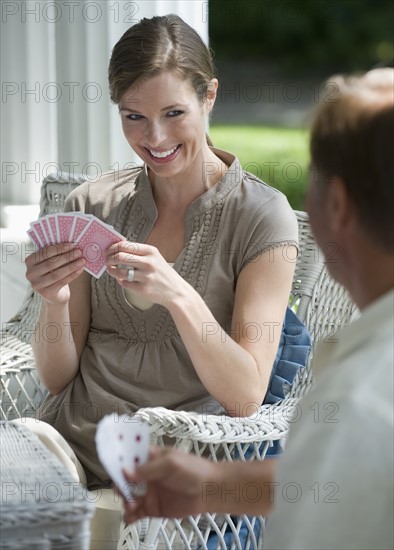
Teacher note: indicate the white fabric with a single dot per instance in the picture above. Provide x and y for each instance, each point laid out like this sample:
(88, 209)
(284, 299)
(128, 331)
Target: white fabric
(105, 524)
(335, 480)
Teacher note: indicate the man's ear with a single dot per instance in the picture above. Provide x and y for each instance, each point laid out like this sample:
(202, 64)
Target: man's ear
(339, 206)
(212, 92)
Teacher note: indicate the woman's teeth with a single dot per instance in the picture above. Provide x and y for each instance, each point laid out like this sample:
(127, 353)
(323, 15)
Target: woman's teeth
(163, 154)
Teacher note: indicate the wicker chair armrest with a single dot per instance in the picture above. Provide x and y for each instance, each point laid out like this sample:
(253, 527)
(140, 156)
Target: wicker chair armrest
(13, 347)
(268, 423)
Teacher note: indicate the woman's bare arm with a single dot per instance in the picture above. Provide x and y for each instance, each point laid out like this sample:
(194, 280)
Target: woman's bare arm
(62, 328)
(236, 369)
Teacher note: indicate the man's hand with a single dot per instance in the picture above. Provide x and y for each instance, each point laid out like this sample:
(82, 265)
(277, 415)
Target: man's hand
(175, 485)
(180, 485)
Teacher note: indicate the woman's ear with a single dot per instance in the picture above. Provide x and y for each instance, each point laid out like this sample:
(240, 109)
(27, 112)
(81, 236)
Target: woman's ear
(212, 89)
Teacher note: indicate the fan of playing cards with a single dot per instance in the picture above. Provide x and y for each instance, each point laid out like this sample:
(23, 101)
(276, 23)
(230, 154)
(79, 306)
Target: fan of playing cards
(90, 235)
(122, 442)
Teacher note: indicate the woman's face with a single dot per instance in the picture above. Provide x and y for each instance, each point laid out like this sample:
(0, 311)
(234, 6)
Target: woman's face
(165, 123)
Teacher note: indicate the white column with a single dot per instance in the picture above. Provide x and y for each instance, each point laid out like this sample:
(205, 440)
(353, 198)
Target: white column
(121, 16)
(28, 89)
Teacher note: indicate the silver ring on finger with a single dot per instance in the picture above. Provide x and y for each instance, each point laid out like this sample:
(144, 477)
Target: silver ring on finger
(130, 274)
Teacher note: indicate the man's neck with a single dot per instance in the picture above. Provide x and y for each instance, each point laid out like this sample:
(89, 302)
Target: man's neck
(373, 278)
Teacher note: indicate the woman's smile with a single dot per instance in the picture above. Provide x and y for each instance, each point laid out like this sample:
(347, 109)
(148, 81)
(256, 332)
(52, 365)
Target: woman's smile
(163, 156)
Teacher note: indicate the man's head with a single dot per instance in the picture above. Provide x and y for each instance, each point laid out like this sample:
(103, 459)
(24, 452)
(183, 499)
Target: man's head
(351, 188)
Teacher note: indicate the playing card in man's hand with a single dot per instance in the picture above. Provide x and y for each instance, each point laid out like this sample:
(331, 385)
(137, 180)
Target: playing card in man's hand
(122, 444)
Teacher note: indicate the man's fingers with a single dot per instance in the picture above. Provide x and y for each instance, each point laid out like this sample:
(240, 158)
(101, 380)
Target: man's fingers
(132, 515)
(154, 452)
(156, 468)
(159, 468)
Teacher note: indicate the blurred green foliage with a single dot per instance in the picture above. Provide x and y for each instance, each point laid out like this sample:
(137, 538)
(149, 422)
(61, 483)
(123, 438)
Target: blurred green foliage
(278, 156)
(299, 38)
(304, 35)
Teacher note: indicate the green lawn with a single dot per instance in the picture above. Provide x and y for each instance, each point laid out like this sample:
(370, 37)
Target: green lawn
(278, 156)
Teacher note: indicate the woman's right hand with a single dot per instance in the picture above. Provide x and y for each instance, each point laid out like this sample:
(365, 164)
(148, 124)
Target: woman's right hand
(51, 269)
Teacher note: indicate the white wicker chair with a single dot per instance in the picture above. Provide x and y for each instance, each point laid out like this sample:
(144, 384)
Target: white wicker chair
(321, 303)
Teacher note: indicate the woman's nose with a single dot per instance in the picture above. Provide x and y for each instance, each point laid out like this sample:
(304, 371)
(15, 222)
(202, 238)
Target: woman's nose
(155, 134)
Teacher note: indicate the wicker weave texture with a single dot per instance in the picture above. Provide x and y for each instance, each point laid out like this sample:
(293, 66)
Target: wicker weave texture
(41, 504)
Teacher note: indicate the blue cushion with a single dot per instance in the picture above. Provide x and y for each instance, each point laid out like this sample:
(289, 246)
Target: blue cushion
(292, 355)
(244, 536)
(293, 352)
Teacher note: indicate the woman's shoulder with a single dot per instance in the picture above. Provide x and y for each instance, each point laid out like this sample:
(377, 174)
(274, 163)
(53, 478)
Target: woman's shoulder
(261, 191)
(263, 212)
(257, 200)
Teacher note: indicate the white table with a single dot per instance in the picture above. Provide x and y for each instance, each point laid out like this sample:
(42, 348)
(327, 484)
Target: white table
(42, 507)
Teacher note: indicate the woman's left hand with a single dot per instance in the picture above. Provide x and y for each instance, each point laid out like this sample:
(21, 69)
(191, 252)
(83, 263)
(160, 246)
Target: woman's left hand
(153, 278)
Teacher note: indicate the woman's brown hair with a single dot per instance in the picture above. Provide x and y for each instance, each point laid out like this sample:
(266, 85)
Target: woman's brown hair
(152, 46)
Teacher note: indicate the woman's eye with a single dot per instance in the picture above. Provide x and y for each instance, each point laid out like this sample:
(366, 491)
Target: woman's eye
(172, 114)
(134, 117)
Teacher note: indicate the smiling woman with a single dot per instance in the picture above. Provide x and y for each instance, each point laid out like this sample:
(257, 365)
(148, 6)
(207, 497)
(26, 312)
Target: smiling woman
(167, 135)
(201, 261)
